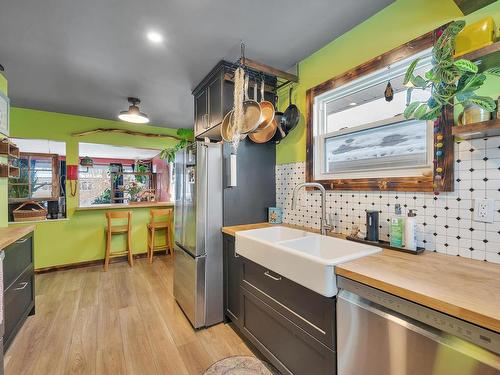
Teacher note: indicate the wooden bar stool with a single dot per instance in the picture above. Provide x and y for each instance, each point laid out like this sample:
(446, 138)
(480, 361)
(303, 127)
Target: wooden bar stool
(160, 219)
(118, 229)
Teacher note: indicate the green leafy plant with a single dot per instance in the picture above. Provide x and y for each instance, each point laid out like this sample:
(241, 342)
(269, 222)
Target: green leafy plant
(104, 198)
(451, 81)
(186, 136)
(141, 168)
(134, 189)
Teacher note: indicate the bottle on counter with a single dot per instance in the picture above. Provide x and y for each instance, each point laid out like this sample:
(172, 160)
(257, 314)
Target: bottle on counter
(397, 228)
(410, 236)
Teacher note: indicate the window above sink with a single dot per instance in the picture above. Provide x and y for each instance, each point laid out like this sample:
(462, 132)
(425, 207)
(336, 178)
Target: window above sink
(358, 138)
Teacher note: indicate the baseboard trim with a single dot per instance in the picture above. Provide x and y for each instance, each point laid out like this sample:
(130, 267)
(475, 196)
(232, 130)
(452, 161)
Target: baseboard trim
(91, 263)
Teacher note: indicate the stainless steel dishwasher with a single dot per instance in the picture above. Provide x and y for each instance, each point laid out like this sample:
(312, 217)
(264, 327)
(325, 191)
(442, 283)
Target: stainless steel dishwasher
(381, 334)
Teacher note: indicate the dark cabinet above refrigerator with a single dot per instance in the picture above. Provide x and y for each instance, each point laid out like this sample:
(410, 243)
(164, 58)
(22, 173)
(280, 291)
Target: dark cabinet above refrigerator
(213, 98)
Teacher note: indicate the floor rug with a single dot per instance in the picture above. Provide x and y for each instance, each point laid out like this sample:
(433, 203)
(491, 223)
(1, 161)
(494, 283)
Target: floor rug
(240, 365)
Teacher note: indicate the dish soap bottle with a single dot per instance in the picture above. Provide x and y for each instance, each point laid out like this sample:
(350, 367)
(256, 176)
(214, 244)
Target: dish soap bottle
(397, 228)
(411, 231)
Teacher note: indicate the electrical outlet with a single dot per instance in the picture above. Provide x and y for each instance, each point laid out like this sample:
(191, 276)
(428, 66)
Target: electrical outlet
(484, 210)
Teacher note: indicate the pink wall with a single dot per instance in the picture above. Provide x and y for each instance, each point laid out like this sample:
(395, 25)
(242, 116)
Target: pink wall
(162, 179)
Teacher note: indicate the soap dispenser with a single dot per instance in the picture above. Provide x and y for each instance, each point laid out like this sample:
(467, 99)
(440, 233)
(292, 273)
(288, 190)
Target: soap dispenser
(411, 231)
(397, 228)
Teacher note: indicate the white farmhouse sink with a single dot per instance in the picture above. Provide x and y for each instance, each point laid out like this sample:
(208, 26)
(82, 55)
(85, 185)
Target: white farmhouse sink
(304, 257)
(275, 234)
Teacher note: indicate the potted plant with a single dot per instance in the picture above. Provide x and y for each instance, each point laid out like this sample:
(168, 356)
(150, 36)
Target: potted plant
(450, 81)
(134, 190)
(186, 136)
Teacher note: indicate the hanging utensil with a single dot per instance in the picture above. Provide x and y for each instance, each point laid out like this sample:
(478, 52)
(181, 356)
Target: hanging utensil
(251, 111)
(291, 115)
(266, 109)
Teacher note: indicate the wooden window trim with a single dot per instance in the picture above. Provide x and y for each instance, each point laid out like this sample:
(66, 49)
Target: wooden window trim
(55, 177)
(415, 184)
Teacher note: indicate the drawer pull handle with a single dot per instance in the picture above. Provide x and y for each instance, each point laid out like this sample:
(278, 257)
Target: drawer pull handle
(24, 284)
(22, 240)
(272, 277)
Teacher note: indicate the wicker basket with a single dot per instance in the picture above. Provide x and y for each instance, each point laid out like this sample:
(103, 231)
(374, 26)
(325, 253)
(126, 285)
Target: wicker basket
(29, 211)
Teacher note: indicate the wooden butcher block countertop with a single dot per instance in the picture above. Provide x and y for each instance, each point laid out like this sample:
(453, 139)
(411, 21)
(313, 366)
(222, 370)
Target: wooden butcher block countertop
(9, 235)
(464, 288)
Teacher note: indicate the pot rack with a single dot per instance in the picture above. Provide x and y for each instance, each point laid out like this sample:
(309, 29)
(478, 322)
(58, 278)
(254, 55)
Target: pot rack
(257, 71)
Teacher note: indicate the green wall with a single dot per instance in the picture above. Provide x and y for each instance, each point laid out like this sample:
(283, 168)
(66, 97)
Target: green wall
(81, 236)
(3, 181)
(396, 24)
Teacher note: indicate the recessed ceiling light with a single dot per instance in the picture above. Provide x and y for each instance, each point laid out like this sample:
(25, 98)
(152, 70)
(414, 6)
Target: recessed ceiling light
(134, 114)
(353, 104)
(154, 37)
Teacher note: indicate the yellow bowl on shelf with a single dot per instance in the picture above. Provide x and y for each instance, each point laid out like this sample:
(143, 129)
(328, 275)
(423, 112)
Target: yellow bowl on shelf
(474, 36)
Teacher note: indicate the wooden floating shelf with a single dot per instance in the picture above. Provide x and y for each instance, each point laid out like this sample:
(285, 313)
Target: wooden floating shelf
(486, 57)
(481, 52)
(485, 129)
(4, 171)
(9, 149)
(14, 172)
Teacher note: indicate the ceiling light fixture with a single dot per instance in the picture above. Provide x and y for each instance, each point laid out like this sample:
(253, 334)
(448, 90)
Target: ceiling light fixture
(154, 37)
(133, 114)
(353, 104)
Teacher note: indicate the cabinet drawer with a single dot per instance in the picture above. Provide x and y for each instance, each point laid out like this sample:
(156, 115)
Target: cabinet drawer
(284, 344)
(309, 310)
(18, 257)
(19, 299)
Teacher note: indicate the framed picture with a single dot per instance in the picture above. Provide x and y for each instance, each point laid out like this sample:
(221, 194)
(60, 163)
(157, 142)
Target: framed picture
(4, 114)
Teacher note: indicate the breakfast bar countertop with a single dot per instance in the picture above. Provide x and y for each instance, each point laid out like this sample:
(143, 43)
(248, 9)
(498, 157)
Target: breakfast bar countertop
(9, 235)
(463, 288)
(115, 206)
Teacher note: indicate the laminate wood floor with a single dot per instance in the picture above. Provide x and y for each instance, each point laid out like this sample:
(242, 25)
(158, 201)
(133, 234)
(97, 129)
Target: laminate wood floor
(124, 321)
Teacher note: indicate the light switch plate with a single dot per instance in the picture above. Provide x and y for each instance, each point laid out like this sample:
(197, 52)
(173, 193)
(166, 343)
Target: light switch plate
(484, 210)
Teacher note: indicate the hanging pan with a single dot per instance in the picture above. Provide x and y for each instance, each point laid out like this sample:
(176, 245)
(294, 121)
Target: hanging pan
(280, 134)
(266, 134)
(251, 111)
(266, 109)
(226, 129)
(291, 115)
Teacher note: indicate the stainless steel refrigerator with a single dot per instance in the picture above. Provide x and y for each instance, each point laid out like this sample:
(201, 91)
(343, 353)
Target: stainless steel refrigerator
(198, 269)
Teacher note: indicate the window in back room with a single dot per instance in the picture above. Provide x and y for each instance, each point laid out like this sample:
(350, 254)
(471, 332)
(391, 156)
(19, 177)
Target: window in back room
(114, 174)
(40, 184)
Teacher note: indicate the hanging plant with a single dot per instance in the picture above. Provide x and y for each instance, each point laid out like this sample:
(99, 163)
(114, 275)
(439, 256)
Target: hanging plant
(187, 136)
(450, 81)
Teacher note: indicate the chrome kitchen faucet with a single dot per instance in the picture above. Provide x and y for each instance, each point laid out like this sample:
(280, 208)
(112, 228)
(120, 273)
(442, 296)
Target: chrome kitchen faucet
(325, 225)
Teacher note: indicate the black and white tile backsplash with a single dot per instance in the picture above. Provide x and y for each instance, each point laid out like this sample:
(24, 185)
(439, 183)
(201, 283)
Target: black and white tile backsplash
(444, 222)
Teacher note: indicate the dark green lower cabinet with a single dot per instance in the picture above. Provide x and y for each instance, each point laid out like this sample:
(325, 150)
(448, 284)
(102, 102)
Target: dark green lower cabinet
(232, 280)
(291, 326)
(290, 349)
(19, 287)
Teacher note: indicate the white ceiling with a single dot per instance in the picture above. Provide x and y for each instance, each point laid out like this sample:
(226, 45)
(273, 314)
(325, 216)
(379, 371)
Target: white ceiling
(41, 146)
(92, 150)
(86, 56)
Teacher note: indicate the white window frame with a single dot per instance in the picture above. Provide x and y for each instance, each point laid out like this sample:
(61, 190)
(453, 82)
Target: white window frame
(320, 124)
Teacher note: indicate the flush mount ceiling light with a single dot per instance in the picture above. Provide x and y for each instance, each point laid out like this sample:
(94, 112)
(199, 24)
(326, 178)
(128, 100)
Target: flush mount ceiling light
(133, 114)
(154, 37)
